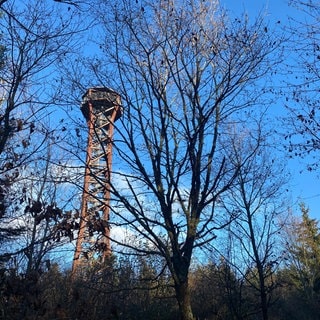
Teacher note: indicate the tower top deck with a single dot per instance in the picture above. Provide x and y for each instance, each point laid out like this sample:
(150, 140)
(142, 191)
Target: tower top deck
(101, 99)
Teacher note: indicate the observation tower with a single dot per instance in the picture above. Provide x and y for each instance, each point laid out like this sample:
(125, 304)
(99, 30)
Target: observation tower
(101, 107)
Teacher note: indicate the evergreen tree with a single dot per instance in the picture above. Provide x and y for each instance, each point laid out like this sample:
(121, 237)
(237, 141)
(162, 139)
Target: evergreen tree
(306, 252)
(303, 273)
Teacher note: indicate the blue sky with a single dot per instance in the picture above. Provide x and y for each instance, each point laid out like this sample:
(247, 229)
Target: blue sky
(276, 9)
(304, 185)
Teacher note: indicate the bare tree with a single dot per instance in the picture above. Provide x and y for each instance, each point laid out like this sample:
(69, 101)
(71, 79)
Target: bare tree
(258, 200)
(184, 71)
(35, 38)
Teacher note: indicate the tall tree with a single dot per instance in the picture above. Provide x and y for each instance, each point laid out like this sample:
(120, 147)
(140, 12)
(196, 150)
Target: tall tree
(184, 71)
(258, 200)
(35, 37)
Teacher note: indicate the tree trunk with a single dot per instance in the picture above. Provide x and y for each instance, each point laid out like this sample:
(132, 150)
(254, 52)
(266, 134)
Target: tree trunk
(264, 302)
(183, 298)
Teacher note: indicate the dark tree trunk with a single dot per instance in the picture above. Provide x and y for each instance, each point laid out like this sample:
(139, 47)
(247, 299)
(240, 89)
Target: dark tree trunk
(183, 298)
(263, 294)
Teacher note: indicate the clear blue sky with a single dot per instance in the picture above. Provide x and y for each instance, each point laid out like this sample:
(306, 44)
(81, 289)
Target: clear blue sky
(305, 185)
(276, 9)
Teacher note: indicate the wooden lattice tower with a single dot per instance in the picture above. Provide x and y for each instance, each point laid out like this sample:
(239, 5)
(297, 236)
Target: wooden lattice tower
(101, 107)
